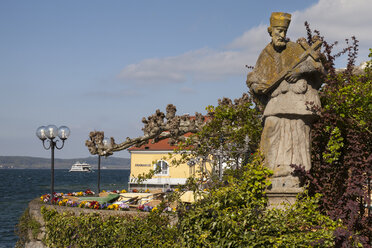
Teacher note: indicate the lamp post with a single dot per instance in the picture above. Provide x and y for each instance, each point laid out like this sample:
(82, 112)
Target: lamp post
(192, 164)
(220, 154)
(106, 144)
(51, 132)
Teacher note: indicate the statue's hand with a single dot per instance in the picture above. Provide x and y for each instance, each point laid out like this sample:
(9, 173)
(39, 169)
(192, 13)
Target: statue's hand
(293, 76)
(258, 88)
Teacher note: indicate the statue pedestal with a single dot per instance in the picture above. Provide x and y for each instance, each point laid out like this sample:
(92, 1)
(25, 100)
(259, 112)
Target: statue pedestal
(282, 195)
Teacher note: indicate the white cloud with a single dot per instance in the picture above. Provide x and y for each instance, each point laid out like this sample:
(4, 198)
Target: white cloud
(252, 40)
(200, 65)
(336, 20)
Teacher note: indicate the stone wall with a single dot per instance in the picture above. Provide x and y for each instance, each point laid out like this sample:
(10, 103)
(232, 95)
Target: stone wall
(35, 212)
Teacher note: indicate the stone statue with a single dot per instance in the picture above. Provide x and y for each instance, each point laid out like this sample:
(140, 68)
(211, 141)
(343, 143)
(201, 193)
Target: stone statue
(285, 80)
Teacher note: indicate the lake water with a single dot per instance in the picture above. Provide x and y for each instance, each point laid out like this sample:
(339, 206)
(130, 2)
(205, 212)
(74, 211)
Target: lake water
(18, 187)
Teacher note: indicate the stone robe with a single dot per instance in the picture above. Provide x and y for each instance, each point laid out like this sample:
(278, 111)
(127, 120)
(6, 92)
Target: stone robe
(286, 135)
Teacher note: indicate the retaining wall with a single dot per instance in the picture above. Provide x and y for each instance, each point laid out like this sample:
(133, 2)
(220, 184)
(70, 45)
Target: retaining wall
(35, 212)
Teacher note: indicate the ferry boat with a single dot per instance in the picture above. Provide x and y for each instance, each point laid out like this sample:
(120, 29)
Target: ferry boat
(81, 167)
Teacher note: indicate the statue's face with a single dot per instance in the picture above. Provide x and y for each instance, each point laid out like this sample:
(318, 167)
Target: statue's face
(278, 36)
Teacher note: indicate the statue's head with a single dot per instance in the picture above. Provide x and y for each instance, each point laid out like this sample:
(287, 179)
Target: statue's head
(279, 23)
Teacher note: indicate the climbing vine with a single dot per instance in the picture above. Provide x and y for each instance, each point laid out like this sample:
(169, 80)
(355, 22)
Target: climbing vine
(342, 144)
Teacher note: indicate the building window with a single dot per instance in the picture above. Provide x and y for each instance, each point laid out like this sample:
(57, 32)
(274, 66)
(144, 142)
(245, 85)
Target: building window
(162, 168)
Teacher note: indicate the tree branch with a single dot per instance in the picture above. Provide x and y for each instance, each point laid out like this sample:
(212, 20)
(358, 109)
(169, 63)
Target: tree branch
(157, 127)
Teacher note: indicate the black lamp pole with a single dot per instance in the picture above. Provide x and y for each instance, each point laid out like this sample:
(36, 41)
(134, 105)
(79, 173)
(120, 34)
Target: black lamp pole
(49, 133)
(99, 174)
(106, 145)
(52, 146)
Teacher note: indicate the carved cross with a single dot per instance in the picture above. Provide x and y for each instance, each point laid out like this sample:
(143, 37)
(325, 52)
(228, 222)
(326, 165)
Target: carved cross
(311, 51)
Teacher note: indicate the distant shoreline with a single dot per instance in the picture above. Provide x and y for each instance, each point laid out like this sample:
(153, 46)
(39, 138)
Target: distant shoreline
(25, 162)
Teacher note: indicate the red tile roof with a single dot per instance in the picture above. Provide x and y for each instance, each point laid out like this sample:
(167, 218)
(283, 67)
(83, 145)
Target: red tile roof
(162, 145)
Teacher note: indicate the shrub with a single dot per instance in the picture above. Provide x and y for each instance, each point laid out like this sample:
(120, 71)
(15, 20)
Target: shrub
(94, 230)
(236, 216)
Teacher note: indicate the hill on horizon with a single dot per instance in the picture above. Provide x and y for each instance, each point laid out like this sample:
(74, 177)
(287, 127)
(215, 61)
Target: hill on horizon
(27, 162)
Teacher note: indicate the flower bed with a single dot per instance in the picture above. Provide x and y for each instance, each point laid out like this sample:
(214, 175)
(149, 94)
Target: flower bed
(71, 200)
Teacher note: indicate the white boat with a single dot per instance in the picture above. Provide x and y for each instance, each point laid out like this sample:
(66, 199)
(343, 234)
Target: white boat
(81, 167)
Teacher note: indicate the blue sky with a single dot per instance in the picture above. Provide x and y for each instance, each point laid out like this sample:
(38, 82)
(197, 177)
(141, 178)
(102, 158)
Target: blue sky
(103, 65)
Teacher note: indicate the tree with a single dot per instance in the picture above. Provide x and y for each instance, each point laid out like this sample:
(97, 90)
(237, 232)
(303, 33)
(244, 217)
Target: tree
(341, 145)
(156, 127)
(230, 135)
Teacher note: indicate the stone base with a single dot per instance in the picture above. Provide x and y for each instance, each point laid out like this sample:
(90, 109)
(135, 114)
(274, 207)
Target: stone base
(277, 197)
(35, 244)
(285, 183)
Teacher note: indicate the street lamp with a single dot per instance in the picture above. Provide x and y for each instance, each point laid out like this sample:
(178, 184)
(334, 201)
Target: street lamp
(220, 153)
(51, 132)
(106, 145)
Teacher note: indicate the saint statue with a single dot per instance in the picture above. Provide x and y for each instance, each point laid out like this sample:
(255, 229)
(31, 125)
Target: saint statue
(285, 80)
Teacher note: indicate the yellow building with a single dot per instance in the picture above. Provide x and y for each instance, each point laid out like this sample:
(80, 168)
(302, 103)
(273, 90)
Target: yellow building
(152, 156)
